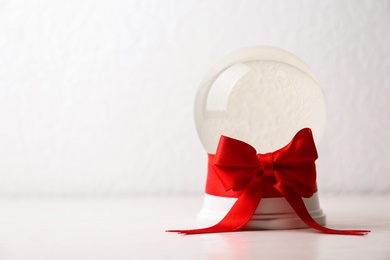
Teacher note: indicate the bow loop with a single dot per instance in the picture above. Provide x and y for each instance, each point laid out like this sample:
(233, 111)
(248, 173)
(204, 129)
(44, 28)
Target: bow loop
(235, 163)
(300, 151)
(295, 164)
(235, 153)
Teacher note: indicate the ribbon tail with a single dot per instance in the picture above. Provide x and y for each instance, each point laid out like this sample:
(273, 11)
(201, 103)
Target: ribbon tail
(240, 213)
(299, 207)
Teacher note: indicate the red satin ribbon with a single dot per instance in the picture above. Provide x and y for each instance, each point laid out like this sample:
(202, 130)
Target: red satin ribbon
(238, 171)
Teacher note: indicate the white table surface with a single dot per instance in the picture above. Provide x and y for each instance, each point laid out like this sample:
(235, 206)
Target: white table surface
(133, 228)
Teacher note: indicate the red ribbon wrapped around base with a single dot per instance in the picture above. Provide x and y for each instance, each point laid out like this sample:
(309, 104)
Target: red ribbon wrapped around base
(236, 170)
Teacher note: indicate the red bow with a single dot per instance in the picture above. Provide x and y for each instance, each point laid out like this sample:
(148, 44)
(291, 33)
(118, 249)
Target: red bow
(290, 170)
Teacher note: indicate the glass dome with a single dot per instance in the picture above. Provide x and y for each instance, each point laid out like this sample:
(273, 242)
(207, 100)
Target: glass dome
(260, 95)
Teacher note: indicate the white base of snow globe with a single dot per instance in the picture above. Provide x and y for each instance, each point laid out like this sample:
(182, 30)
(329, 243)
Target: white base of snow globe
(272, 213)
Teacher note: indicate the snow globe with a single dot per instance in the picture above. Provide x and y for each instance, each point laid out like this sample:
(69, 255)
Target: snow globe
(262, 96)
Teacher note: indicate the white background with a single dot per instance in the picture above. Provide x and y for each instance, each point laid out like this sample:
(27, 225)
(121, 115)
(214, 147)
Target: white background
(96, 97)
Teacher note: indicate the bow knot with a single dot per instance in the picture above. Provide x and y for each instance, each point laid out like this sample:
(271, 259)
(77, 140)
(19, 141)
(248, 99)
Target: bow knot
(267, 165)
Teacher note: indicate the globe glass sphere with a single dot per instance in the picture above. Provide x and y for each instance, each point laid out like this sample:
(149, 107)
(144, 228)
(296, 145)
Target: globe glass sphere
(260, 95)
